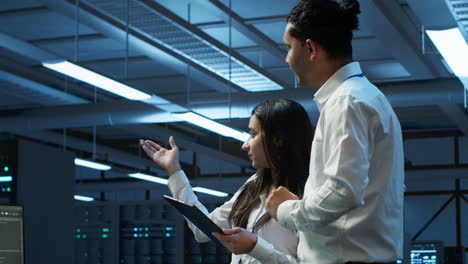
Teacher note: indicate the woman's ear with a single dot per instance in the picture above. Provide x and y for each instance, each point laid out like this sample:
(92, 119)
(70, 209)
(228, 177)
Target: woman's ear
(278, 141)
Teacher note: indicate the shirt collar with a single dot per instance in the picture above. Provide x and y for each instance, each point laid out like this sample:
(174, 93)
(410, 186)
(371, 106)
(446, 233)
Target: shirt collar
(323, 94)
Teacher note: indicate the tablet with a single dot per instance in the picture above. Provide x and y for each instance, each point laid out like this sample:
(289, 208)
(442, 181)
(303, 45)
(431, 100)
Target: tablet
(197, 217)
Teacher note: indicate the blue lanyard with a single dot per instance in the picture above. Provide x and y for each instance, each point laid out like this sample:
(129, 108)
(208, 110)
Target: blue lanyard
(253, 228)
(258, 221)
(360, 75)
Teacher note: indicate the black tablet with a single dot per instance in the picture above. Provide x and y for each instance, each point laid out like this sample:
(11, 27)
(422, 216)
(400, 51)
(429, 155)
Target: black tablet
(194, 215)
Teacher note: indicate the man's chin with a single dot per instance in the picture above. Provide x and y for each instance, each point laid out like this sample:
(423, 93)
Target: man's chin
(300, 81)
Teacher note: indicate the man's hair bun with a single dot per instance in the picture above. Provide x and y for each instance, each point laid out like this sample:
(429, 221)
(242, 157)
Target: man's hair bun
(350, 9)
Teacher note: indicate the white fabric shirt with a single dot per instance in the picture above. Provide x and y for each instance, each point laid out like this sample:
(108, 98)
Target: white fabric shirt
(352, 209)
(273, 239)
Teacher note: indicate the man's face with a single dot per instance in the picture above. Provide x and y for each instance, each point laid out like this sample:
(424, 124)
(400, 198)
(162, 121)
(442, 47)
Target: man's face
(298, 55)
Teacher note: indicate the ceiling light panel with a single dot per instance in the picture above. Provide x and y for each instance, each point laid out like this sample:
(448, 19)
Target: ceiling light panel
(98, 80)
(91, 164)
(188, 41)
(453, 48)
(459, 10)
(211, 125)
(83, 198)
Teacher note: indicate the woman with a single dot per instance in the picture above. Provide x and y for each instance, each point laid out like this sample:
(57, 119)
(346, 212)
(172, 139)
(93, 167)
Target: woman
(279, 148)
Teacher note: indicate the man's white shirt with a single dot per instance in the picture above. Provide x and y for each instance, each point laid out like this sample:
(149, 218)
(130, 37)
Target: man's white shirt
(352, 209)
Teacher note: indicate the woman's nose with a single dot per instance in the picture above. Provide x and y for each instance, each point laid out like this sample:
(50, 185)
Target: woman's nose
(245, 146)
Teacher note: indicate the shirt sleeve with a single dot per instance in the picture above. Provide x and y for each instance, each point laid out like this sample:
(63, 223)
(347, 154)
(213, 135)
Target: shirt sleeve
(347, 131)
(264, 252)
(181, 189)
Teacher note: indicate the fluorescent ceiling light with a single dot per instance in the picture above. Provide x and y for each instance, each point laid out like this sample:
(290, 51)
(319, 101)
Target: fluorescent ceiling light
(83, 198)
(147, 177)
(453, 48)
(6, 178)
(209, 191)
(91, 164)
(212, 125)
(159, 180)
(95, 79)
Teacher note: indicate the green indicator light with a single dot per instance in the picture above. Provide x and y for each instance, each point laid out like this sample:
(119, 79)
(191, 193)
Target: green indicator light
(8, 189)
(84, 236)
(86, 254)
(86, 220)
(86, 213)
(105, 236)
(105, 230)
(78, 230)
(78, 236)
(6, 168)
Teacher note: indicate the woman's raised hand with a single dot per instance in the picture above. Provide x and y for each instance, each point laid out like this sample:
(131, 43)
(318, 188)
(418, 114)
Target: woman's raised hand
(168, 159)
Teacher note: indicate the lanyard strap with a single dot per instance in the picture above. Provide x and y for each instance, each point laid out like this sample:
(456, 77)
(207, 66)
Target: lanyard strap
(253, 228)
(258, 221)
(360, 75)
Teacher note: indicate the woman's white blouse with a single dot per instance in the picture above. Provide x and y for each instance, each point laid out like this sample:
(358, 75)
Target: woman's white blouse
(275, 242)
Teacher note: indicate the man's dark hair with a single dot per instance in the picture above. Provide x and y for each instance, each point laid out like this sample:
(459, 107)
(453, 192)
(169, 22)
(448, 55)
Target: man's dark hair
(326, 22)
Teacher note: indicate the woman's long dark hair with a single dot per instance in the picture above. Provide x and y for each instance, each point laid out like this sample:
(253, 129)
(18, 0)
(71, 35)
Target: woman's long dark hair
(287, 139)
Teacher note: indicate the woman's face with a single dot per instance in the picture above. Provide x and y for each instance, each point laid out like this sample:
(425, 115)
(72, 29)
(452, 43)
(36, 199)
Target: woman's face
(254, 145)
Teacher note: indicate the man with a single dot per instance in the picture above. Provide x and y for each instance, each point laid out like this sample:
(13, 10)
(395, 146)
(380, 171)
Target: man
(352, 209)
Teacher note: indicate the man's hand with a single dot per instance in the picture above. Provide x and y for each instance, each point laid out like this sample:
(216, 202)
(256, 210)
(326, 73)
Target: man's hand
(276, 198)
(237, 240)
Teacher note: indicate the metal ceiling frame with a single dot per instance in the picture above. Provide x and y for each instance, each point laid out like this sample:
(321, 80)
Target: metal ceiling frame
(445, 92)
(54, 96)
(457, 114)
(115, 113)
(228, 16)
(188, 42)
(398, 94)
(459, 9)
(141, 43)
(399, 35)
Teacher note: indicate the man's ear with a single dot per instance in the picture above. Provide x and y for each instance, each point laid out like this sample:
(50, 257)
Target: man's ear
(312, 47)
